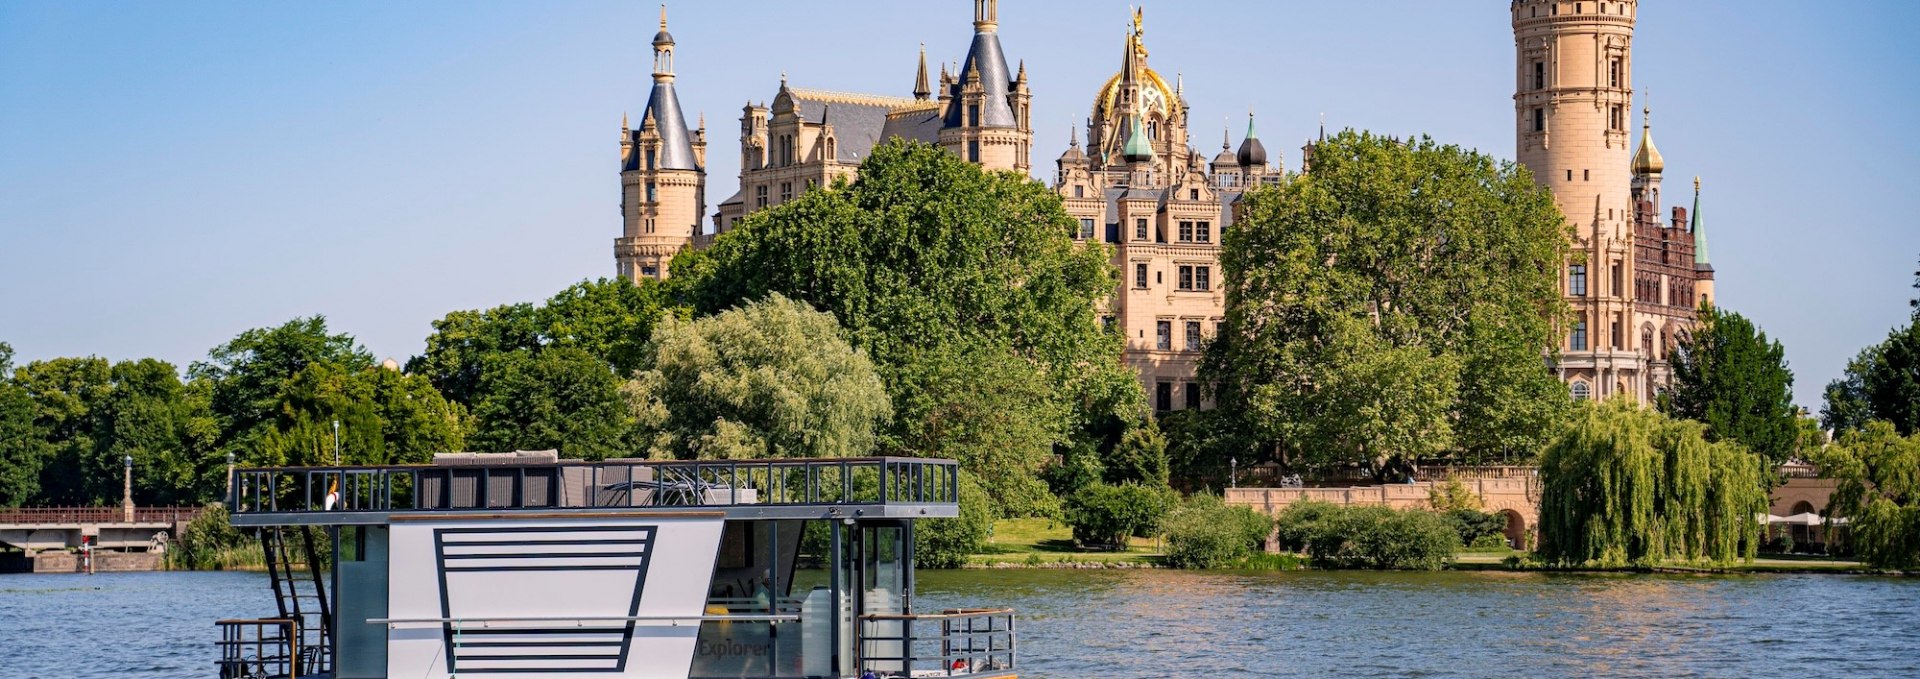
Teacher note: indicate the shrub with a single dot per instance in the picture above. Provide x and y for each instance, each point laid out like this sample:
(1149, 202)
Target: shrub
(946, 543)
(1297, 523)
(1207, 533)
(1379, 537)
(1473, 525)
(1104, 516)
(210, 542)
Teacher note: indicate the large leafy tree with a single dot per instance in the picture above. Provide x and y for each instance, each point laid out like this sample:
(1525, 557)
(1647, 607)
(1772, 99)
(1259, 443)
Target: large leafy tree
(65, 393)
(249, 374)
(926, 259)
(561, 399)
(1882, 383)
(988, 408)
(1879, 491)
(167, 429)
(1628, 486)
(768, 379)
(1397, 300)
(23, 446)
(1730, 377)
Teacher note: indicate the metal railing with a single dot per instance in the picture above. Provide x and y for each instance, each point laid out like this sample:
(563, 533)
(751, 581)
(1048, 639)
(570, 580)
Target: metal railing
(953, 643)
(720, 483)
(63, 515)
(262, 649)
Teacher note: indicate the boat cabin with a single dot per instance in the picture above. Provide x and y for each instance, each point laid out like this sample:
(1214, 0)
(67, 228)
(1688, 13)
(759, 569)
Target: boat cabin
(524, 565)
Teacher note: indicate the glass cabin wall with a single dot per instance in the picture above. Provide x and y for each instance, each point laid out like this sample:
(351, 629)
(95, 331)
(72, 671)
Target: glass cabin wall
(361, 591)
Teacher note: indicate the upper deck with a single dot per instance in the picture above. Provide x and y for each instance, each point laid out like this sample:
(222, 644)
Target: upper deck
(864, 488)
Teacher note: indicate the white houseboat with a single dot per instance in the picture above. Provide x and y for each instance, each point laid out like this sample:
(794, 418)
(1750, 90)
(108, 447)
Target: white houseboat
(521, 565)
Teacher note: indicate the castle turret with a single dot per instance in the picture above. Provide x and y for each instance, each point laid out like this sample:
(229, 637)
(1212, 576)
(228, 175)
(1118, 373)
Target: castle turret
(662, 176)
(985, 117)
(1702, 267)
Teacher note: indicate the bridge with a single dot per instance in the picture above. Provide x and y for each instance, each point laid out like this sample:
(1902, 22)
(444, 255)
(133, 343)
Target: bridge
(47, 535)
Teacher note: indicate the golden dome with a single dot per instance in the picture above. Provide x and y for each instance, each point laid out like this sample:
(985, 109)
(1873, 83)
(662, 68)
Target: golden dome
(1156, 97)
(1647, 160)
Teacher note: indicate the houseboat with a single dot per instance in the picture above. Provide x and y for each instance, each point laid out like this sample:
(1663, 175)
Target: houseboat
(522, 565)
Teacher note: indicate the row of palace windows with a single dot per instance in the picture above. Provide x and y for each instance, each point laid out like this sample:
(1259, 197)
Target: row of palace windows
(1577, 279)
(1163, 335)
(1187, 231)
(1191, 277)
(1616, 121)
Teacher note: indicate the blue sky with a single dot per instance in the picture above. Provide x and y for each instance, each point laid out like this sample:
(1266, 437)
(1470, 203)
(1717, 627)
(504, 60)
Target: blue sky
(171, 175)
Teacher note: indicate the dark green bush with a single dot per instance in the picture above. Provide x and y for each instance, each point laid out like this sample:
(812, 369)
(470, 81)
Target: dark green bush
(1379, 537)
(1207, 533)
(1104, 516)
(210, 542)
(1473, 524)
(1297, 523)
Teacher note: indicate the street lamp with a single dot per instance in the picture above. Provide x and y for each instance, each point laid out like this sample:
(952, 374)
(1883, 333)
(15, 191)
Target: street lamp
(229, 477)
(1233, 472)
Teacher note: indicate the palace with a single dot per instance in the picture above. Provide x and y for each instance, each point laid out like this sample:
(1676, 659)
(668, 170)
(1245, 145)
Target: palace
(1139, 186)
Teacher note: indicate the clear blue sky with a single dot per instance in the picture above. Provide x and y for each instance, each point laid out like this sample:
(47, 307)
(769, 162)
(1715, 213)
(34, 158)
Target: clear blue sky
(171, 175)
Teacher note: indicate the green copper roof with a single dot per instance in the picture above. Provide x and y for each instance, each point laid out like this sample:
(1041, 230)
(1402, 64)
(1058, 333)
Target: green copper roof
(1699, 229)
(1138, 146)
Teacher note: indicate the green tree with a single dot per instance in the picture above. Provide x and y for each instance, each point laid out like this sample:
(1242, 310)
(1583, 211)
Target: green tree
(1140, 456)
(385, 416)
(563, 399)
(926, 257)
(1628, 486)
(248, 375)
(1728, 376)
(610, 318)
(769, 379)
(23, 445)
(1879, 491)
(150, 416)
(946, 543)
(1205, 532)
(463, 341)
(1882, 383)
(1103, 516)
(988, 408)
(65, 392)
(1395, 301)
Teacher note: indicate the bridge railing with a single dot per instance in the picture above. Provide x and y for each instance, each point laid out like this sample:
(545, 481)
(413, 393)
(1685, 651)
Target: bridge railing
(68, 515)
(614, 483)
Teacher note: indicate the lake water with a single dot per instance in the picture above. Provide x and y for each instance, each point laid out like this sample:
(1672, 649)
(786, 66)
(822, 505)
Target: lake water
(1157, 624)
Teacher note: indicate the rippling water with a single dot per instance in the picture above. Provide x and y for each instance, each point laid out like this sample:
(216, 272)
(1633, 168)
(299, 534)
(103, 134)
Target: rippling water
(1157, 624)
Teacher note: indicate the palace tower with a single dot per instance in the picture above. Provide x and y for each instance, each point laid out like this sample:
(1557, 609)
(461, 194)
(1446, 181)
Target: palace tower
(663, 176)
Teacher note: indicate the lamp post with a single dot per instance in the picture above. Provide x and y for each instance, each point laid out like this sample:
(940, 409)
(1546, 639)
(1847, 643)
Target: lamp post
(229, 477)
(1233, 472)
(126, 493)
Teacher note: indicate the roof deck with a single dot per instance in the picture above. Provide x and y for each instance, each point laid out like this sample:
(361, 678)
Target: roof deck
(866, 488)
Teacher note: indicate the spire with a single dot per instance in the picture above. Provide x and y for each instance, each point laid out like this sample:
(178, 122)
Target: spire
(1699, 231)
(1647, 160)
(1226, 133)
(1323, 126)
(1022, 77)
(663, 115)
(921, 90)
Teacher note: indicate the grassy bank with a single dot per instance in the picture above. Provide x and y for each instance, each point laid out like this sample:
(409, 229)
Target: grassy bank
(1045, 543)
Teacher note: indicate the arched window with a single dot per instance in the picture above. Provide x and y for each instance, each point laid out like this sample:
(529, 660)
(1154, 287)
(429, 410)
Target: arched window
(1581, 391)
(1646, 342)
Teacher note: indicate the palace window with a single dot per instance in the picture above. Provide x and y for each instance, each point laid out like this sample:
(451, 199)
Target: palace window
(1577, 280)
(1193, 396)
(1617, 331)
(1186, 278)
(1539, 75)
(1578, 341)
(1079, 191)
(1203, 278)
(1140, 229)
(1086, 228)
(1186, 232)
(1193, 335)
(649, 160)
(1163, 396)
(1616, 278)
(1163, 335)
(653, 193)
(1617, 120)
(973, 115)
(1581, 391)
(1539, 120)
(786, 191)
(1193, 194)
(973, 152)
(760, 196)
(650, 271)
(1203, 231)
(1140, 276)
(1614, 68)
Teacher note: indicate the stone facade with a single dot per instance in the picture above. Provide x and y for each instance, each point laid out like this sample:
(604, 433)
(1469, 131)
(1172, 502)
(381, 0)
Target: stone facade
(1632, 282)
(1141, 189)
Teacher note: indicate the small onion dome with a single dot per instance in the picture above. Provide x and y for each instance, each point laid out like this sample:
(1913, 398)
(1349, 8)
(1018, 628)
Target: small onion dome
(663, 38)
(1139, 149)
(1647, 160)
(1252, 152)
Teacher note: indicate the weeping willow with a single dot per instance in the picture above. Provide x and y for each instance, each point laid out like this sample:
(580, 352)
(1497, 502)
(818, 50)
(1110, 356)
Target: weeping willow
(1630, 487)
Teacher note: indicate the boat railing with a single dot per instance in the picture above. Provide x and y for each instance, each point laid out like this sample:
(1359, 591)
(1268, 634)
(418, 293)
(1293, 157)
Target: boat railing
(606, 484)
(262, 648)
(953, 643)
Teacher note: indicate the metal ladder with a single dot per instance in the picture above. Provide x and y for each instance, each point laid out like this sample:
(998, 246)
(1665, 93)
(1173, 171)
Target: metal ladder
(300, 589)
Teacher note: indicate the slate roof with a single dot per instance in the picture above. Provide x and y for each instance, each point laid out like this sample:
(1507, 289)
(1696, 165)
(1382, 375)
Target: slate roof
(859, 120)
(996, 80)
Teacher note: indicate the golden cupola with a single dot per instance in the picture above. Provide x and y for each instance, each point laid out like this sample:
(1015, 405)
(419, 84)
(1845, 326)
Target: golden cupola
(1647, 160)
